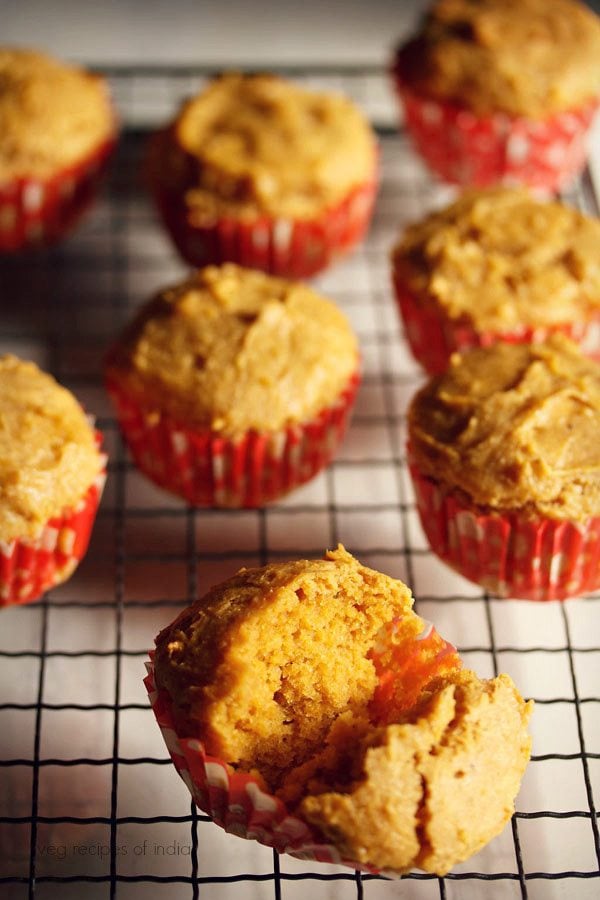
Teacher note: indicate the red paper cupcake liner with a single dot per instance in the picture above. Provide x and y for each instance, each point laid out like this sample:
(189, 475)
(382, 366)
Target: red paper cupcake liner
(40, 211)
(465, 149)
(31, 566)
(290, 248)
(506, 553)
(287, 247)
(207, 469)
(238, 802)
(433, 337)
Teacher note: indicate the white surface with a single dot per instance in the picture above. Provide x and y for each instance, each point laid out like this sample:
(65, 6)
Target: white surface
(210, 32)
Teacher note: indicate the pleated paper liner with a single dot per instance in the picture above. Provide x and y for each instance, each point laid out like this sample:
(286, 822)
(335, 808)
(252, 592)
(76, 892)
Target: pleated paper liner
(39, 211)
(287, 247)
(464, 149)
(507, 553)
(207, 469)
(433, 337)
(31, 566)
(237, 802)
(290, 248)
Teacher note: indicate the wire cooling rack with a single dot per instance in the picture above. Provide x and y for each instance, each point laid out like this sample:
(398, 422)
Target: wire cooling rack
(90, 805)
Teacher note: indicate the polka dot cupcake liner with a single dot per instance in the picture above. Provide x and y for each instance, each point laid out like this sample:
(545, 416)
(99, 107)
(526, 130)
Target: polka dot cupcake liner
(505, 553)
(209, 470)
(39, 211)
(237, 801)
(464, 149)
(31, 566)
(287, 247)
(433, 337)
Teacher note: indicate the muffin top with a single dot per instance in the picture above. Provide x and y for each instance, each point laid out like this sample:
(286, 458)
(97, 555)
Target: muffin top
(522, 57)
(232, 349)
(516, 427)
(52, 115)
(504, 260)
(366, 749)
(48, 453)
(260, 144)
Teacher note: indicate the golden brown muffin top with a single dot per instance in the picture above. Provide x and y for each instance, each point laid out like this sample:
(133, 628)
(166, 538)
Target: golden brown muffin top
(275, 671)
(522, 57)
(233, 349)
(48, 454)
(263, 145)
(52, 115)
(516, 427)
(502, 259)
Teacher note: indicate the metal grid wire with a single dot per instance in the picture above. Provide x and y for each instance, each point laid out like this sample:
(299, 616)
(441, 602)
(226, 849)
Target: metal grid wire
(90, 805)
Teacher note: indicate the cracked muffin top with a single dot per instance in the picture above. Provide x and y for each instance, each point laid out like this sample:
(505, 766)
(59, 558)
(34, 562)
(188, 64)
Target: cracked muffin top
(523, 57)
(502, 260)
(316, 677)
(48, 452)
(515, 427)
(261, 144)
(52, 115)
(233, 349)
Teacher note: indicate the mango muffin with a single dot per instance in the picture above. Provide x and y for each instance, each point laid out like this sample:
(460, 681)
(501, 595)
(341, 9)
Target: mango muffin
(392, 758)
(57, 131)
(497, 264)
(502, 90)
(259, 171)
(234, 387)
(505, 459)
(51, 478)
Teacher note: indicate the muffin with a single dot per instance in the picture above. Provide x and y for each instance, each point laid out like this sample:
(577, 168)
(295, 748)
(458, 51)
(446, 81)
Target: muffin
(392, 758)
(502, 90)
(497, 264)
(51, 478)
(57, 131)
(234, 387)
(504, 451)
(258, 171)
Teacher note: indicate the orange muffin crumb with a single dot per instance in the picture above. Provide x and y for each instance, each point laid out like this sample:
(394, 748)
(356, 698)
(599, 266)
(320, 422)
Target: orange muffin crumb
(263, 694)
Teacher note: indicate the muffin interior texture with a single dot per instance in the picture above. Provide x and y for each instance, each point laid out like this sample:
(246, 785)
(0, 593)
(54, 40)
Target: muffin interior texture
(260, 144)
(502, 260)
(265, 694)
(522, 57)
(48, 453)
(515, 427)
(276, 670)
(52, 115)
(232, 349)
